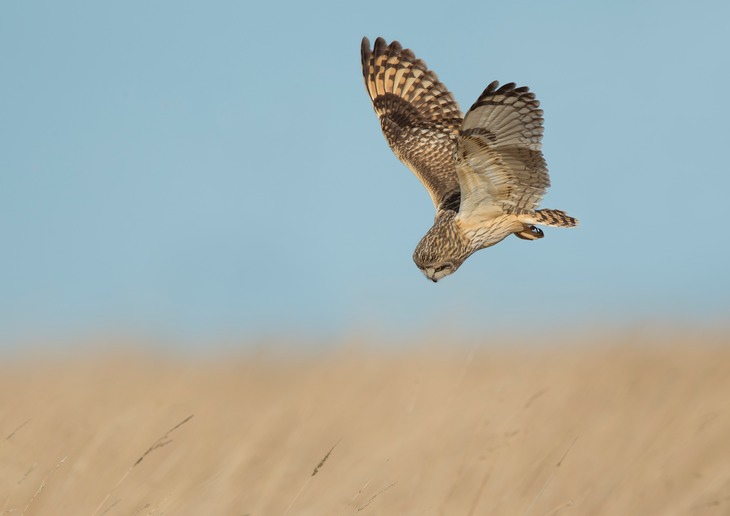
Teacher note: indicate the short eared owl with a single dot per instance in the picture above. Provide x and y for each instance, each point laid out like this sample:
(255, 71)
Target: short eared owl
(484, 171)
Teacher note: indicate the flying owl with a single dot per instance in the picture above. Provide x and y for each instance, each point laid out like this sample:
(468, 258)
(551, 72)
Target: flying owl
(484, 171)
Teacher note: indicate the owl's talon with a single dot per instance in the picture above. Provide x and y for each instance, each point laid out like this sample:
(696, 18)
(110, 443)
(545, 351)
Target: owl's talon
(530, 233)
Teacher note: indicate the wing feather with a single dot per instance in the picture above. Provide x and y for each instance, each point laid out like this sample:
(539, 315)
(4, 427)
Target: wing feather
(499, 160)
(418, 115)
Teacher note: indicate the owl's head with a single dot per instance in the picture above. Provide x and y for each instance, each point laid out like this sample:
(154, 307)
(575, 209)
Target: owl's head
(441, 250)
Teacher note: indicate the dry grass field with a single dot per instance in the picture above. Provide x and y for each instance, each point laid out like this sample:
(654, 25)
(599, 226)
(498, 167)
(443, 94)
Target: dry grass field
(628, 425)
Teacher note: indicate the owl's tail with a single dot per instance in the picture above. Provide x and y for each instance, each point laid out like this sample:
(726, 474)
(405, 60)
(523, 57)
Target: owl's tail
(555, 218)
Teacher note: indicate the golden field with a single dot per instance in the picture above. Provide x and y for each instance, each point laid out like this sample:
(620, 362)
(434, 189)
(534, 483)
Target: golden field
(624, 425)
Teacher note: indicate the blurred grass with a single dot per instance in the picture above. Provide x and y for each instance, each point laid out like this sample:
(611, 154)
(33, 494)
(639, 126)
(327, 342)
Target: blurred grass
(628, 425)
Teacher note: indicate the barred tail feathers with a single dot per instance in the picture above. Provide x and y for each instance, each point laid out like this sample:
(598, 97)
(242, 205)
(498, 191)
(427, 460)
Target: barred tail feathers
(555, 218)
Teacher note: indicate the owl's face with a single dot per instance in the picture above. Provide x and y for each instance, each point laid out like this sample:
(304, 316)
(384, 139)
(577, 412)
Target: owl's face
(436, 271)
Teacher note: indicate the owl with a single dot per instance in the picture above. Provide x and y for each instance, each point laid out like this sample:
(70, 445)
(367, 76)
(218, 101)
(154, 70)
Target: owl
(484, 172)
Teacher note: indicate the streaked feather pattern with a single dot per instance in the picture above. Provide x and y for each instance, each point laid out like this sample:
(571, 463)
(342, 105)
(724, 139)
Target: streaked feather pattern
(485, 171)
(418, 115)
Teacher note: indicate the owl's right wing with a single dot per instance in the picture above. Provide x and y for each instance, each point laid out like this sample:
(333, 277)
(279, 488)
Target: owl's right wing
(418, 115)
(498, 157)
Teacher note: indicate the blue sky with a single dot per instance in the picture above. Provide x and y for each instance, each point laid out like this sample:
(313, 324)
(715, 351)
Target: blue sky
(215, 168)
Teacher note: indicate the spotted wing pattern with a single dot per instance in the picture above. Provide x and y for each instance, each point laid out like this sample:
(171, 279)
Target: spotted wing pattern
(418, 115)
(498, 157)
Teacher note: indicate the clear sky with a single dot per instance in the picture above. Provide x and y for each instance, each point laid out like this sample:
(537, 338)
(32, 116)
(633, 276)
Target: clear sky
(215, 168)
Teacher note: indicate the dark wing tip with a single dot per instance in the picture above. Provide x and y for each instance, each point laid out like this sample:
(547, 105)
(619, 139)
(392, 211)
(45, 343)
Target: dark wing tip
(365, 54)
(506, 87)
(491, 88)
(380, 46)
(495, 89)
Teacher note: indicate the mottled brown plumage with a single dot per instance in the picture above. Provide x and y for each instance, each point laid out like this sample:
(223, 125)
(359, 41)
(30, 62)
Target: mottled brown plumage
(485, 171)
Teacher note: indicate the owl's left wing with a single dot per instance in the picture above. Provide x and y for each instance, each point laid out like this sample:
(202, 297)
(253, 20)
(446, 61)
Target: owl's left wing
(418, 115)
(498, 156)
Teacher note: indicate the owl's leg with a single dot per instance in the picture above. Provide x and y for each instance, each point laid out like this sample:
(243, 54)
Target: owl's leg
(530, 233)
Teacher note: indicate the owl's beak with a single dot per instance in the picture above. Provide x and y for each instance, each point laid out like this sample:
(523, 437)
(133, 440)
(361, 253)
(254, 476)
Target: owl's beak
(430, 273)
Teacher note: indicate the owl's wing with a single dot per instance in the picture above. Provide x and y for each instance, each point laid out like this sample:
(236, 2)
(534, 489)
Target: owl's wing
(498, 158)
(418, 115)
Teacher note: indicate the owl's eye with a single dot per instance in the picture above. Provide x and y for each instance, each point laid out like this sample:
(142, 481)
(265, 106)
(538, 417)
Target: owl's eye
(442, 267)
